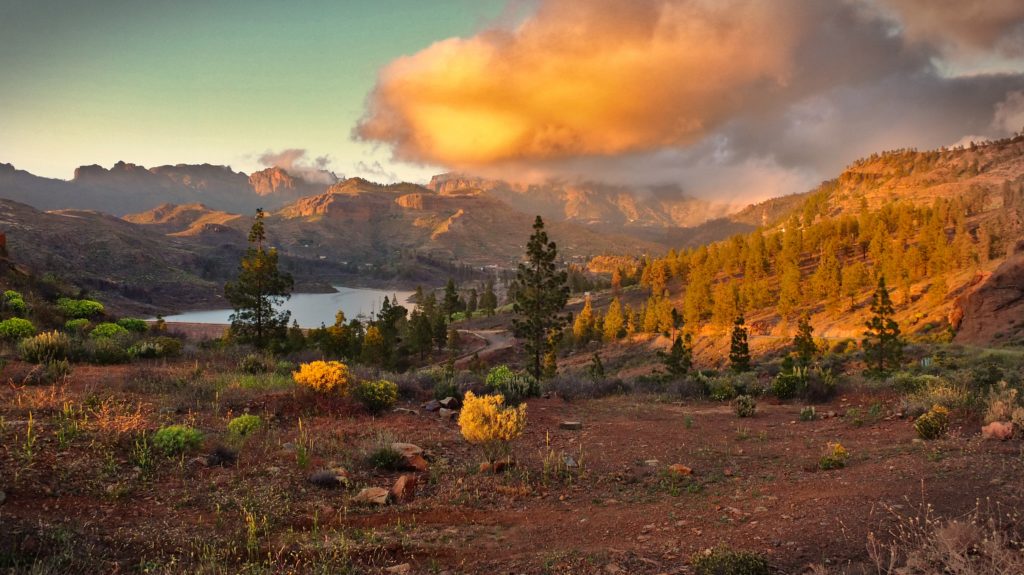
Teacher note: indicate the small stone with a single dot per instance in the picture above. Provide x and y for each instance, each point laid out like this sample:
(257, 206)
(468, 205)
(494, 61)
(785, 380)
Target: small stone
(329, 478)
(401, 569)
(407, 449)
(571, 425)
(449, 403)
(432, 405)
(415, 463)
(405, 410)
(200, 461)
(679, 469)
(372, 496)
(998, 430)
(405, 488)
(570, 463)
(449, 414)
(651, 462)
(613, 568)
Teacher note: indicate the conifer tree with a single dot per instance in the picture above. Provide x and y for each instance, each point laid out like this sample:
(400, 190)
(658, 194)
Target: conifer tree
(679, 359)
(540, 298)
(583, 325)
(488, 299)
(596, 367)
(803, 342)
(471, 303)
(451, 303)
(883, 348)
(614, 322)
(739, 351)
(260, 288)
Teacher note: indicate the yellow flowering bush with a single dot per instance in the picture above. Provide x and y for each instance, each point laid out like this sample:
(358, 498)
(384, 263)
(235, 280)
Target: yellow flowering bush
(835, 456)
(486, 421)
(323, 376)
(934, 424)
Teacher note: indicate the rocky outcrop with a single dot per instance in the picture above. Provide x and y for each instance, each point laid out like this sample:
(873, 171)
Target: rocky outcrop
(991, 312)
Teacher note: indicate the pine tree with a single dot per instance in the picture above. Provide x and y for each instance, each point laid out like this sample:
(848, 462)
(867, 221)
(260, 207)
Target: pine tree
(451, 302)
(614, 322)
(596, 367)
(679, 359)
(583, 325)
(373, 352)
(883, 348)
(471, 303)
(803, 342)
(739, 351)
(488, 300)
(260, 288)
(540, 298)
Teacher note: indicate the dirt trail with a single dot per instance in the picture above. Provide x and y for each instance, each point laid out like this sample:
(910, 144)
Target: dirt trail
(491, 343)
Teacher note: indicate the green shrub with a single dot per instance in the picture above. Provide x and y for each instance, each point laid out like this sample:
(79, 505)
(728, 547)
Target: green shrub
(445, 387)
(256, 363)
(107, 330)
(17, 306)
(808, 413)
(744, 405)
(44, 347)
(790, 383)
(107, 351)
(133, 324)
(721, 389)
(11, 294)
(15, 329)
(514, 386)
(723, 560)
(155, 347)
(933, 424)
(376, 395)
(177, 439)
(834, 457)
(243, 425)
(79, 308)
(48, 372)
(386, 458)
(80, 325)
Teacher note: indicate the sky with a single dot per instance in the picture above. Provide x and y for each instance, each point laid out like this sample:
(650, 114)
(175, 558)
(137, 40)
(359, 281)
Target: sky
(723, 99)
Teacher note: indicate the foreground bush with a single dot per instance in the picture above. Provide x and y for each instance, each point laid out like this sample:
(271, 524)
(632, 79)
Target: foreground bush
(107, 351)
(933, 424)
(14, 303)
(745, 406)
(79, 308)
(723, 560)
(45, 347)
(835, 456)
(133, 324)
(156, 347)
(513, 386)
(323, 376)
(107, 330)
(77, 326)
(376, 395)
(486, 421)
(256, 363)
(1003, 404)
(244, 425)
(15, 329)
(177, 439)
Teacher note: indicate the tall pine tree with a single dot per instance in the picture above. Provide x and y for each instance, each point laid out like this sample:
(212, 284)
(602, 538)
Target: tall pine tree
(883, 348)
(803, 342)
(541, 295)
(260, 288)
(739, 351)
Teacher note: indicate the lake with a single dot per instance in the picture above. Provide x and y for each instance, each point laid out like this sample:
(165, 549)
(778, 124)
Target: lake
(312, 309)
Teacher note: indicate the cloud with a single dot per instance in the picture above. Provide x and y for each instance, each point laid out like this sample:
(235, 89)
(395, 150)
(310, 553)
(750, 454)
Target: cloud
(728, 99)
(1009, 115)
(375, 171)
(293, 161)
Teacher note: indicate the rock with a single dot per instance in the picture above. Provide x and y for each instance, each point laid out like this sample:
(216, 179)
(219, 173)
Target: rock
(329, 478)
(415, 463)
(432, 405)
(571, 425)
(405, 411)
(998, 430)
(372, 496)
(651, 462)
(679, 469)
(570, 463)
(222, 456)
(449, 403)
(200, 461)
(496, 467)
(448, 414)
(400, 569)
(407, 449)
(613, 568)
(990, 305)
(404, 488)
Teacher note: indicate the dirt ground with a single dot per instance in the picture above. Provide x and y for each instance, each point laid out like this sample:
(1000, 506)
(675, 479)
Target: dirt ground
(599, 499)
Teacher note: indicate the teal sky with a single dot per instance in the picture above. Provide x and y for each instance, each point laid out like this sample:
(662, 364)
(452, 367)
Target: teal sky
(219, 81)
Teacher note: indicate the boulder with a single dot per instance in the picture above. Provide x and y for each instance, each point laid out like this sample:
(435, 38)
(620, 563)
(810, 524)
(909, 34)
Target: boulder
(448, 414)
(987, 310)
(679, 469)
(432, 405)
(415, 463)
(372, 496)
(407, 449)
(496, 467)
(998, 430)
(449, 403)
(404, 488)
(571, 425)
(329, 478)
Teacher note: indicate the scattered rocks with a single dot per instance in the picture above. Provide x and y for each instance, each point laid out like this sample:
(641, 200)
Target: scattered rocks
(449, 403)
(571, 425)
(400, 569)
(405, 488)
(999, 430)
(679, 469)
(415, 463)
(372, 496)
(407, 449)
(330, 478)
(496, 467)
(198, 462)
(432, 405)
(405, 410)
(449, 414)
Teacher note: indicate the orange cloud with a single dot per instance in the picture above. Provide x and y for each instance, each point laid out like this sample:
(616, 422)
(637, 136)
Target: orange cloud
(585, 78)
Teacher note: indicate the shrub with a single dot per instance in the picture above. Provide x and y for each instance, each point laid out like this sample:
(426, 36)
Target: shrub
(16, 329)
(721, 389)
(107, 351)
(133, 324)
(445, 387)
(1003, 404)
(44, 347)
(513, 386)
(937, 391)
(488, 422)
(572, 387)
(255, 363)
(386, 458)
(820, 385)
(744, 405)
(80, 325)
(376, 395)
(790, 383)
(723, 560)
(79, 308)
(243, 425)
(177, 439)
(835, 456)
(808, 413)
(323, 376)
(107, 330)
(16, 305)
(933, 424)
(48, 372)
(162, 346)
